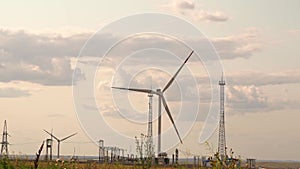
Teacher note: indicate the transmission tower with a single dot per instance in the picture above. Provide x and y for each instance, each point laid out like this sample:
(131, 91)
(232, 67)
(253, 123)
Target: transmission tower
(222, 139)
(4, 147)
(149, 148)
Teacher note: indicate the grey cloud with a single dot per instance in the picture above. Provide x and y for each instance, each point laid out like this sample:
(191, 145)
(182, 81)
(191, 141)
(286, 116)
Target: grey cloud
(30, 47)
(250, 99)
(45, 59)
(60, 72)
(244, 93)
(184, 4)
(246, 98)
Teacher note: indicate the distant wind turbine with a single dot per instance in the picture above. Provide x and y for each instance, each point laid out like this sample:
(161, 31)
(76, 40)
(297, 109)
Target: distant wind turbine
(59, 140)
(162, 99)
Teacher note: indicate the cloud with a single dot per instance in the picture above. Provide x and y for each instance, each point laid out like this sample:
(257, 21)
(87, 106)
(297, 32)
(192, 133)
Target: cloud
(42, 59)
(216, 16)
(24, 45)
(246, 98)
(47, 59)
(243, 45)
(13, 93)
(192, 9)
(245, 91)
(17, 89)
(184, 4)
(251, 99)
(59, 72)
(262, 79)
(257, 78)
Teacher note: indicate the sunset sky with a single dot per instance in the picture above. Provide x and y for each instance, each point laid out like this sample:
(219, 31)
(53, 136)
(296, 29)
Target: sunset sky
(257, 42)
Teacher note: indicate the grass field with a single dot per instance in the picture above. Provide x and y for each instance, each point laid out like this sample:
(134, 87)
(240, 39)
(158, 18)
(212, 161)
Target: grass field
(29, 164)
(9, 164)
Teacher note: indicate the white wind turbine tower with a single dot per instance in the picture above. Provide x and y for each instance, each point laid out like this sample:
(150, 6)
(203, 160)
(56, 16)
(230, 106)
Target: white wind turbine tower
(161, 98)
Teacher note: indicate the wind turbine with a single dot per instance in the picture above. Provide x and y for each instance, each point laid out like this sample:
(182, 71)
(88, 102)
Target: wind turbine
(161, 98)
(59, 140)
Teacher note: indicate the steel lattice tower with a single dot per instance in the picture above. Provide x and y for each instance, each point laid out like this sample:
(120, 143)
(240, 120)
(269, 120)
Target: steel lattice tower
(222, 139)
(150, 134)
(4, 148)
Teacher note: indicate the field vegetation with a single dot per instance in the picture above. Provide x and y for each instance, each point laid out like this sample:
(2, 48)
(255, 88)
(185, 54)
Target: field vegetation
(16, 163)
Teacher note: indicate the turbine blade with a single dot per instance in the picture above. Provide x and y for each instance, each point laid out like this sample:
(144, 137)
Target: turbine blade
(170, 117)
(173, 78)
(51, 135)
(133, 89)
(68, 137)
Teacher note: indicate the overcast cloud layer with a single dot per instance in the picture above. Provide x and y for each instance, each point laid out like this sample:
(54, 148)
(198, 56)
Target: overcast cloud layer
(46, 58)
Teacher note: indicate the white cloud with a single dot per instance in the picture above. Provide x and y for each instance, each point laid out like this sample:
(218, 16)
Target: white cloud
(13, 93)
(216, 16)
(17, 89)
(194, 10)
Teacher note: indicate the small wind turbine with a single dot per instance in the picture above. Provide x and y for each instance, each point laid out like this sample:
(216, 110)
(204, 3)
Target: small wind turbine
(160, 94)
(59, 140)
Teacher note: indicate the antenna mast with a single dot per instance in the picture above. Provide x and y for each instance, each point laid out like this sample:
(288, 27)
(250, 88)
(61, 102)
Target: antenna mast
(222, 139)
(4, 148)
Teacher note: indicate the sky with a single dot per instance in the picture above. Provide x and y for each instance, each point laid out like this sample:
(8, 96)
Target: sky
(42, 43)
